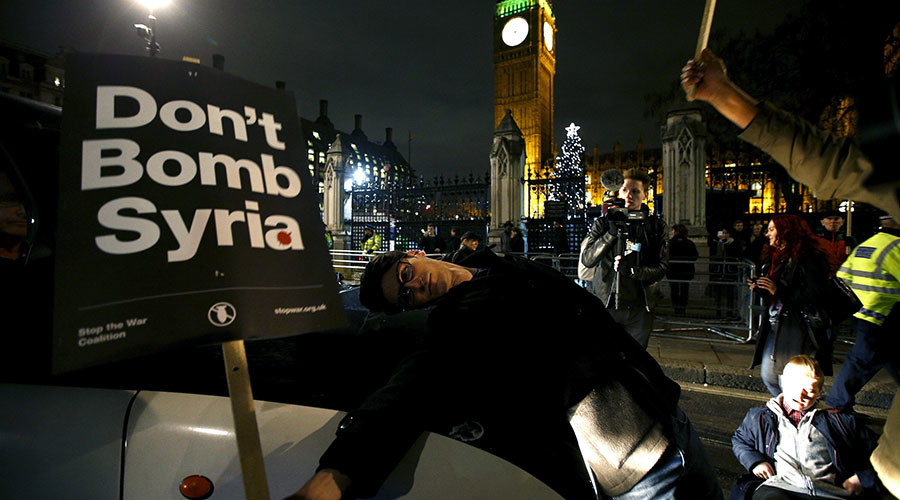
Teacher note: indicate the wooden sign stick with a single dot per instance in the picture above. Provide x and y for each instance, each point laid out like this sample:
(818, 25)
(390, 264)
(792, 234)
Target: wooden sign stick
(703, 39)
(246, 432)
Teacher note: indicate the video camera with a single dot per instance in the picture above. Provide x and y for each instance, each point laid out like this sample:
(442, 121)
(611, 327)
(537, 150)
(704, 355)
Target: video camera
(617, 213)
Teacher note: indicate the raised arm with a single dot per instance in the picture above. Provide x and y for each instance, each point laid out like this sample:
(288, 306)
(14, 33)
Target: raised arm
(710, 80)
(833, 167)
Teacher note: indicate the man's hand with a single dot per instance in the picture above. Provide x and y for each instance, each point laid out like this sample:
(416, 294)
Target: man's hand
(612, 229)
(853, 485)
(327, 484)
(616, 263)
(711, 84)
(707, 75)
(763, 470)
(598, 228)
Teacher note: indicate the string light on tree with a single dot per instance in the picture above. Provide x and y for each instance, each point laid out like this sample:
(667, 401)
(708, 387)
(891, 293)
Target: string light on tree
(568, 175)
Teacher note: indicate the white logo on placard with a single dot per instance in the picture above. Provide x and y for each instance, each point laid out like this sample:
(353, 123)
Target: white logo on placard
(221, 314)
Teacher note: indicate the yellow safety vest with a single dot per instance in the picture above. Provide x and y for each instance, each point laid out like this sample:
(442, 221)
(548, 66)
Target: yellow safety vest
(872, 271)
(373, 244)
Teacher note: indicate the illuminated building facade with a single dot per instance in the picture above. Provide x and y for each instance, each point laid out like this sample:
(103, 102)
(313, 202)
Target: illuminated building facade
(380, 165)
(30, 74)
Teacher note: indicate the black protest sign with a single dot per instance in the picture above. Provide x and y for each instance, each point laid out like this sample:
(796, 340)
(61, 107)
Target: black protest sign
(186, 215)
(555, 209)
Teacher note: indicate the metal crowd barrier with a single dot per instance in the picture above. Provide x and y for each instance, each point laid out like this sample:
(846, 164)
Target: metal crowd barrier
(350, 264)
(717, 300)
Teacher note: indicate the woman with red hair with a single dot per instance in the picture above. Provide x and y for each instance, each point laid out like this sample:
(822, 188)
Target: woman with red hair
(793, 281)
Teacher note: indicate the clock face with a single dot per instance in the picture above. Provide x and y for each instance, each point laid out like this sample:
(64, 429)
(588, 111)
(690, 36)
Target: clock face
(515, 31)
(548, 36)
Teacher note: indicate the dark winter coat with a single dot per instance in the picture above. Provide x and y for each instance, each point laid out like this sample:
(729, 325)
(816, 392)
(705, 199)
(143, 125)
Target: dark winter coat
(802, 288)
(727, 253)
(453, 244)
(432, 244)
(560, 241)
(652, 266)
(682, 249)
(754, 253)
(849, 442)
(742, 239)
(517, 242)
(533, 353)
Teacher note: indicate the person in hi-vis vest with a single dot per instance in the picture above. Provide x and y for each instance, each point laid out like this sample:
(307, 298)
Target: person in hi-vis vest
(371, 240)
(872, 271)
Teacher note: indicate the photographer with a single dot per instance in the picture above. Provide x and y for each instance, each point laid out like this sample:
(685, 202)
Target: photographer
(632, 249)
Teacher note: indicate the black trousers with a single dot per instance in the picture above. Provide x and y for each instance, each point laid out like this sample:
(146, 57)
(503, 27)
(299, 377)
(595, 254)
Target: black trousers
(679, 296)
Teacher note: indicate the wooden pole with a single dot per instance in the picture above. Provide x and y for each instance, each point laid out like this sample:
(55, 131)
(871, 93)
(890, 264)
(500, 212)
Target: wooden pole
(246, 431)
(703, 39)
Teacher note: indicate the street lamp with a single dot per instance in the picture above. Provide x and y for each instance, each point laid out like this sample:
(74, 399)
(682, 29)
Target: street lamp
(148, 33)
(360, 177)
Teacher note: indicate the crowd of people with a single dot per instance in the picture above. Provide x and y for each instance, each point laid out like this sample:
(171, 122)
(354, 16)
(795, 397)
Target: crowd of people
(601, 418)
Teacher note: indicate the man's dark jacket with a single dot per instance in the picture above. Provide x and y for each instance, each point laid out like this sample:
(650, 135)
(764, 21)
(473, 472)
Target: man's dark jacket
(850, 443)
(432, 244)
(650, 267)
(723, 266)
(514, 349)
(685, 251)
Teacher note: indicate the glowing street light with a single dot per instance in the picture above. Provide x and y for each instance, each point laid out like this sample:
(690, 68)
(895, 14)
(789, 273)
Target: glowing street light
(148, 33)
(360, 177)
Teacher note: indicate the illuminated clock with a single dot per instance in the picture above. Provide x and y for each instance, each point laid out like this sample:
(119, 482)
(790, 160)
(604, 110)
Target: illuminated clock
(548, 36)
(515, 31)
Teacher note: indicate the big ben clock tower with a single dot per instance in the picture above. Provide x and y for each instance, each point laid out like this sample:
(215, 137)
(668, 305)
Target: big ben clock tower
(524, 67)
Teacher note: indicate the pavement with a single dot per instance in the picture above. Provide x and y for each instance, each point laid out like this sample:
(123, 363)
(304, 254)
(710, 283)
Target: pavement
(702, 359)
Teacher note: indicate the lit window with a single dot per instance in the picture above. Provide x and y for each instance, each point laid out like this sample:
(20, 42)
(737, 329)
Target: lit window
(57, 81)
(316, 135)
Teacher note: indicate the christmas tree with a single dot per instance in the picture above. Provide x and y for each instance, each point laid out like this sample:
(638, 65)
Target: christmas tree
(568, 175)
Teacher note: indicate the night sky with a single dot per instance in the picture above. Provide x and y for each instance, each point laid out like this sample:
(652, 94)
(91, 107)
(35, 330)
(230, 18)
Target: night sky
(421, 67)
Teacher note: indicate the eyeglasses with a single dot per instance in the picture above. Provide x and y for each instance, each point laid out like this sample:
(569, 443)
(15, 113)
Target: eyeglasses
(405, 273)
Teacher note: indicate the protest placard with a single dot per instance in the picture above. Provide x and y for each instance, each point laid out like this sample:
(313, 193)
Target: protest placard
(186, 213)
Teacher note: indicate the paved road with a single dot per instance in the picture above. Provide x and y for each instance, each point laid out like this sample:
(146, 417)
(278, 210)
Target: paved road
(715, 415)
